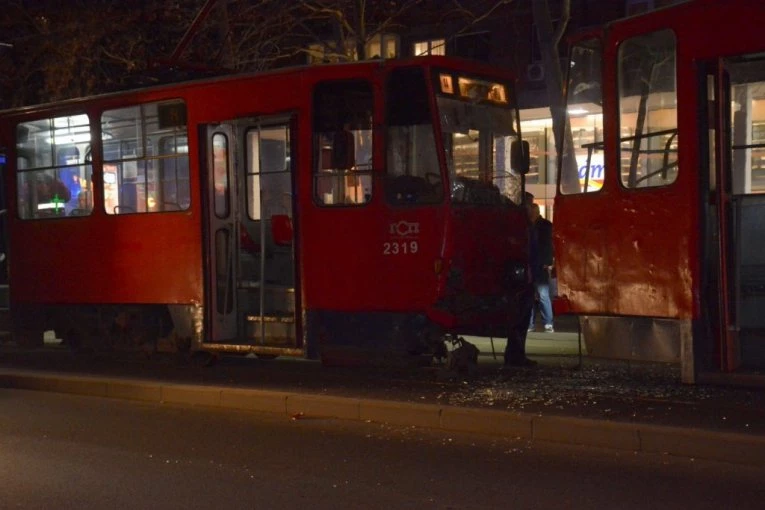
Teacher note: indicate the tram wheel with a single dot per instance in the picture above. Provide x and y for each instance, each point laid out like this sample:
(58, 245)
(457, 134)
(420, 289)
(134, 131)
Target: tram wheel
(267, 356)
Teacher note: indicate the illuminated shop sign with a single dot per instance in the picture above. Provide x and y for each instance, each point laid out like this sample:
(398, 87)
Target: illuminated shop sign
(596, 173)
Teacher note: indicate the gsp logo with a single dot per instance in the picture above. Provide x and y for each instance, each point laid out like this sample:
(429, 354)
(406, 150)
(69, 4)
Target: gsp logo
(404, 229)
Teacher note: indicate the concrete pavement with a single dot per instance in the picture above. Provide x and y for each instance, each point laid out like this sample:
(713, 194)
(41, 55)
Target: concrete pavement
(537, 344)
(335, 396)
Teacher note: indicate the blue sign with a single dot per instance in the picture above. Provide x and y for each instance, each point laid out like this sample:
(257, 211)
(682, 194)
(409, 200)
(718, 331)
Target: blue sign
(596, 172)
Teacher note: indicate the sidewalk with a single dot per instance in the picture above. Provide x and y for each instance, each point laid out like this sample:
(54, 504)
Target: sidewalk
(611, 404)
(538, 343)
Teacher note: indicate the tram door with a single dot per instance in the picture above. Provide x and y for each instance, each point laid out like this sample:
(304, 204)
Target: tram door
(251, 242)
(736, 89)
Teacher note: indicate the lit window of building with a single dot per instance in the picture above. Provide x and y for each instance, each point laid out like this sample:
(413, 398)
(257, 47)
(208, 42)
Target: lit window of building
(379, 46)
(383, 46)
(432, 47)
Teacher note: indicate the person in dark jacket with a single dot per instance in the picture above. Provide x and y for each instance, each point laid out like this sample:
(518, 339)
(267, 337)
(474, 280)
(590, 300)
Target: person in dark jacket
(521, 302)
(542, 268)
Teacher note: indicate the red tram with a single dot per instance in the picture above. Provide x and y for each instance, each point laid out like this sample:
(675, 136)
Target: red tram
(661, 192)
(338, 211)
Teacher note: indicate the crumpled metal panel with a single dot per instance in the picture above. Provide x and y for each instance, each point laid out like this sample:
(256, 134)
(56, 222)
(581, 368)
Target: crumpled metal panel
(634, 338)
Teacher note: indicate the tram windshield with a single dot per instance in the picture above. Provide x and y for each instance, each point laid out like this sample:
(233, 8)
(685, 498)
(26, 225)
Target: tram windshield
(413, 171)
(477, 125)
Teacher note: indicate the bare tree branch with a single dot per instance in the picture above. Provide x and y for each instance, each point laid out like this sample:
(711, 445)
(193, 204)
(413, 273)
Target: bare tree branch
(98, 45)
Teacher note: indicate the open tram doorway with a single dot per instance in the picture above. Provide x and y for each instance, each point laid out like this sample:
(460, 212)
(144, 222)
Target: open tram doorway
(735, 241)
(251, 276)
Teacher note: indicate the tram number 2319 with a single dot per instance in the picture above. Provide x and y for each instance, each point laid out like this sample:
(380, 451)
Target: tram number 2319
(400, 247)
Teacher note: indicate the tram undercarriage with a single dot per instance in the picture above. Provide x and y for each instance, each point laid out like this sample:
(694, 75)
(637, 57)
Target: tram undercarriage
(337, 338)
(110, 328)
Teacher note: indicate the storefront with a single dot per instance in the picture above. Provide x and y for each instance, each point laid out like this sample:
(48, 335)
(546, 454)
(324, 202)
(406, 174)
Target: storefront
(586, 132)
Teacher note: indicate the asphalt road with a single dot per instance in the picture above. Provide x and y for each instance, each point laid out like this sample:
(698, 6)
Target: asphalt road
(66, 451)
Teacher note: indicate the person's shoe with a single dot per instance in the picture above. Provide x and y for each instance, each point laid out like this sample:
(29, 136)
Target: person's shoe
(549, 328)
(531, 330)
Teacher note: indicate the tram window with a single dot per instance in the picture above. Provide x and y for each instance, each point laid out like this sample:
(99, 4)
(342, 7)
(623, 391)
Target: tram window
(478, 135)
(648, 110)
(173, 192)
(747, 95)
(54, 171)
(269, 184)
(583, 164)
(342, 134)
(146, 161)
(221, 175)
(413, 174)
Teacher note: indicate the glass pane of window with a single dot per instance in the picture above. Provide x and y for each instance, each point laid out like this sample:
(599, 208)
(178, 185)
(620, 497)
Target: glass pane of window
(146, 161)
(373, 48)
(413, 174)
(433, 47)
(538, 133)
(173, 192)
(343, 143)
(253, 175)
(477, 124)
(583, 165)
(747, 82)
(54, 169)
(390, 47)
(221, 175)
(648, 110)
(269, 184)
(421, 48)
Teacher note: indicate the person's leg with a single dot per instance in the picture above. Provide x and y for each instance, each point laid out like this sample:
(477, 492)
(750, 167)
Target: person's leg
(545, 305)
(532, 317)
(521, 304)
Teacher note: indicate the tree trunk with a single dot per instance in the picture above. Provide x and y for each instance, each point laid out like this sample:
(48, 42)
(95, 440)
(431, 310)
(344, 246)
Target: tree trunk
(548, 39)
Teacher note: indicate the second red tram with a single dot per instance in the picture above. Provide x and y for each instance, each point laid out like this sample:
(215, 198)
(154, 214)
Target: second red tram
(659, 231)
(335, 211)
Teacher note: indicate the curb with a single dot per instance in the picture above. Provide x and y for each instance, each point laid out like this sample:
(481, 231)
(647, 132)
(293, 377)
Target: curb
(638, 437)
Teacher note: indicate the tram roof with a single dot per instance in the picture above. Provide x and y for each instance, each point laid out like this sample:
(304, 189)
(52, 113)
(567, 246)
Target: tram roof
(422, 61)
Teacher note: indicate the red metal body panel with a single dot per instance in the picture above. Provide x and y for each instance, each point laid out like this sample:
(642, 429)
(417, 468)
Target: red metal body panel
(348, 265)
(479, 241)
(613, 259)
(67, 264)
